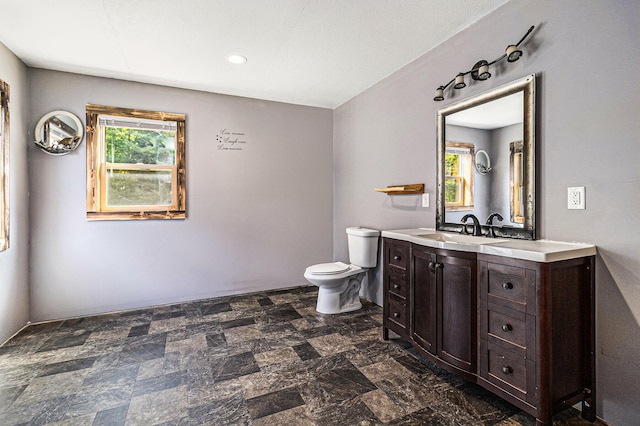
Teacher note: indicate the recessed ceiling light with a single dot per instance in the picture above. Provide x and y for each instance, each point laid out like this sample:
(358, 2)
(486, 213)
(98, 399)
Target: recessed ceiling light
(236, 59)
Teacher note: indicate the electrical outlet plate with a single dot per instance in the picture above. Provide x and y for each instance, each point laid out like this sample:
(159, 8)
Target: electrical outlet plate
(576, 198)
(425, 200)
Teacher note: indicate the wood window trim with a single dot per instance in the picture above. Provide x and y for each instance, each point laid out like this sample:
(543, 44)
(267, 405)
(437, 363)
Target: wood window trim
(95, 198)
(4, 166)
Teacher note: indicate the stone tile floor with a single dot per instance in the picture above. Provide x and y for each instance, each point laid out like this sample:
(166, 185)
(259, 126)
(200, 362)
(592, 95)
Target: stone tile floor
(258, 359)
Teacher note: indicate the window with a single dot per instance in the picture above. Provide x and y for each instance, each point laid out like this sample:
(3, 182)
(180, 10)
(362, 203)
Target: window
(4, 165)
(135, 164)
(459, 175)
(516, 182)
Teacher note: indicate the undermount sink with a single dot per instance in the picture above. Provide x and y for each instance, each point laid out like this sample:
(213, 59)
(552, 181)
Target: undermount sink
(460, 239)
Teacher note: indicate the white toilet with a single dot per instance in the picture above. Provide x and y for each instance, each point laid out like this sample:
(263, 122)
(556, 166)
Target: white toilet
(338, 283)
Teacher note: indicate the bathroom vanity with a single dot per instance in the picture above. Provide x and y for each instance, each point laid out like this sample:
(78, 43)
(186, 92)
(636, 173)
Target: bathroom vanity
(514, 316)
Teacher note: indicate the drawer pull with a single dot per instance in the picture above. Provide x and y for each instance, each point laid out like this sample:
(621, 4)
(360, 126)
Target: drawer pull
(507, 286)
(507, 370)
(396, 257)
(396, 314)
(507, 327)
(396, 286)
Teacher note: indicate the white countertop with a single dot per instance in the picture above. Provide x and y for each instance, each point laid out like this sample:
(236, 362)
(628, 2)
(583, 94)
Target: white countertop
(536, 250)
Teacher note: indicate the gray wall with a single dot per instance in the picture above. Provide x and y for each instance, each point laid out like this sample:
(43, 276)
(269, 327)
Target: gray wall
(14, 276)
(256, 217)
(585, 54)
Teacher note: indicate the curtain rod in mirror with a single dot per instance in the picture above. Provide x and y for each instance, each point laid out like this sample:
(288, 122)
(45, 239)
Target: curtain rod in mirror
(480, 70)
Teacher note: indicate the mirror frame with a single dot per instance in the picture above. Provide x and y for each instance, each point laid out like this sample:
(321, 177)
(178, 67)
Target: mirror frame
(527, 86)
(43, 145)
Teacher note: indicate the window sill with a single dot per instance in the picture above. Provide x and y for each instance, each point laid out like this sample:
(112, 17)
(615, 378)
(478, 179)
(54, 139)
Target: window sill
(153, 215)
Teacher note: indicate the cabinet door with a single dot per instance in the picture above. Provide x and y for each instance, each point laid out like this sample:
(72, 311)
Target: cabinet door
(457, 287)
(423, 298)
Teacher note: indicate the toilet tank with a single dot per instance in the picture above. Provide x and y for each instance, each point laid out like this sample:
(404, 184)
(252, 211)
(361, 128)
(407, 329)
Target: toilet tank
(363, 246)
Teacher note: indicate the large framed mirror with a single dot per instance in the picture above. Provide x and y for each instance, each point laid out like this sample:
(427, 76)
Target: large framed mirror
(500, 123)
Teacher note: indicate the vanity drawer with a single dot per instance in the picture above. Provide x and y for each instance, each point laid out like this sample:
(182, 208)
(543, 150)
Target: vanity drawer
(507, 370)
(397, 284)
(397, 255)
(509, 285)
(507, 326)
(397, 316)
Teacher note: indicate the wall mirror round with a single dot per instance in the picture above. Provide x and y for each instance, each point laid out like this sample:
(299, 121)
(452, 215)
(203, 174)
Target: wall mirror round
(59, 132)
(482, 162)
(492, 131)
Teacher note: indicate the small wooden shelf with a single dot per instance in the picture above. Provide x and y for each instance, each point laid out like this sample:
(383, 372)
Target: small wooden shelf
(415, 188)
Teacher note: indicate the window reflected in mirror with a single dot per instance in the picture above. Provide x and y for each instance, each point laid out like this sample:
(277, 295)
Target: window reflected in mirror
(459, 171)
(516, 182)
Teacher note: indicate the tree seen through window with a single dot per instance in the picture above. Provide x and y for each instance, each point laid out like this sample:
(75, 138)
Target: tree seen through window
(139, 146)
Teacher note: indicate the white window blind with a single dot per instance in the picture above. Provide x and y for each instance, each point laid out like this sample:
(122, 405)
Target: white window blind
(137, 123)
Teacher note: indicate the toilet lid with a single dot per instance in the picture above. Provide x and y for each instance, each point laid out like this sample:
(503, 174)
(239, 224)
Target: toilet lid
(328, 268)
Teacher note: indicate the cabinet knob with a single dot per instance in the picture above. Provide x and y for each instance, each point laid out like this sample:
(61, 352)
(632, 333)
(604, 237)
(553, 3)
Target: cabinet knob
(396, 286)
(506, 327)
(507, 370)
(435, 265)
(396, 257)
(507, 286)
(396, 314)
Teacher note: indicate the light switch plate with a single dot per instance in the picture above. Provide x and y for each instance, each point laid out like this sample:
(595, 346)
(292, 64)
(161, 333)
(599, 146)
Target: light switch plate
(576, 198)
(425, 200)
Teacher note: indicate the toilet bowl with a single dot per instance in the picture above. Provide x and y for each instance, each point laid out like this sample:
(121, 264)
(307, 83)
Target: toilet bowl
(339, 283)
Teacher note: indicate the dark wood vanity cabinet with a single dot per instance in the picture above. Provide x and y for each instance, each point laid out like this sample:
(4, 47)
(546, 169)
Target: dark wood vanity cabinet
(522, 329)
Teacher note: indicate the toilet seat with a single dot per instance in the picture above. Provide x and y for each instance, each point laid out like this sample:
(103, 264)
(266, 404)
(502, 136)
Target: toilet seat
(326, 272)
(328, 268)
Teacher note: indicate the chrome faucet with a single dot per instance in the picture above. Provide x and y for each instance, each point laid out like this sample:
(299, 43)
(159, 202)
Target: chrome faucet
(491, 233)
(477, 229)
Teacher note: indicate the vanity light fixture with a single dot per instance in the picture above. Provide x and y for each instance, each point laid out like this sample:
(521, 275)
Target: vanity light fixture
(236, 59)
(480, 70)
(513, 54)
(460, 84)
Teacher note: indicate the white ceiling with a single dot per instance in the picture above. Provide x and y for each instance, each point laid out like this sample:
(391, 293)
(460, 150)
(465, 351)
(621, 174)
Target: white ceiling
(309, 52)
